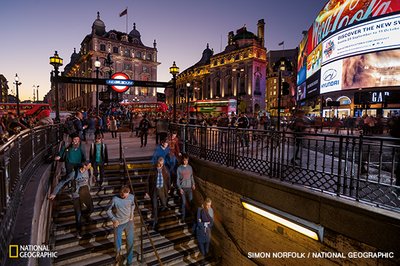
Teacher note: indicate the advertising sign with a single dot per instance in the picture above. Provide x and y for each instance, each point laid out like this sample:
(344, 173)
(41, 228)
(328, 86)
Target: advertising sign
(313, 85)
(331, 77)
(379, 69)
(302, 61)
(379, 34)
(314, 61)
(301, 91)
(338, 14)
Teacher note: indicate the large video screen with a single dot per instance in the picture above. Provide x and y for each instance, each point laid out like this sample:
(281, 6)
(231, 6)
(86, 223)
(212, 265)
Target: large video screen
(338, 14)
(373, 70)
(379, 34)
(314, 61)
(302, 61)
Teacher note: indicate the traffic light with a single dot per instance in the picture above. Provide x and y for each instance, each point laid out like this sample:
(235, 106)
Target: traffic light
(285, 88)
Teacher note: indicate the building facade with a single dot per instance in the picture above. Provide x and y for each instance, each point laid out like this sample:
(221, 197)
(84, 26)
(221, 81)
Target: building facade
(3, 89)
(238, 72)
(128, 55)
(285, 62)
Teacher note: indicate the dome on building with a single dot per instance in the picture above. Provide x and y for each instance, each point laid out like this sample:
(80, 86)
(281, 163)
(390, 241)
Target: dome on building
(134, 33)
(243, 34)
(98, 27)
(205, 59)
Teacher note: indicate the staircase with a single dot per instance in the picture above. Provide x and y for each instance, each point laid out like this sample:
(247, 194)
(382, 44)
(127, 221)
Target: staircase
(174, 242)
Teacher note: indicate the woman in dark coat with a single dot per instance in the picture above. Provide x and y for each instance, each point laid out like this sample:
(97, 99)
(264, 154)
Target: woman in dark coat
(205, 221)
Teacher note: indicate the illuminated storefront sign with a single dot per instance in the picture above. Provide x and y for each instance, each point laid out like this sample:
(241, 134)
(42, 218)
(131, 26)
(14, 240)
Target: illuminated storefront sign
(331, 77)
(376, 35)
(313, 85)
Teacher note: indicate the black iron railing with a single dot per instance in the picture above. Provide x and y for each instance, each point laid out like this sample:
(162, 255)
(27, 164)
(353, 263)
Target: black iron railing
(357, 167)
(18, 159)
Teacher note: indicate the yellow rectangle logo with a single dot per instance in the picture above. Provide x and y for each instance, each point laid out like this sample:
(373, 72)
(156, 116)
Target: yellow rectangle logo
(11, 254)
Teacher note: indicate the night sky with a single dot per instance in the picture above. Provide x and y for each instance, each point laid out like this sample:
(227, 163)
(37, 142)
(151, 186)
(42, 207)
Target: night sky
(32, 30)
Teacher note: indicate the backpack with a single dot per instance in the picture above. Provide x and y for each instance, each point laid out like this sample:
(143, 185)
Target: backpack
(69, 127)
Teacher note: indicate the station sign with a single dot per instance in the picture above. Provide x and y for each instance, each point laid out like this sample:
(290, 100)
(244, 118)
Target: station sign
(119, 82)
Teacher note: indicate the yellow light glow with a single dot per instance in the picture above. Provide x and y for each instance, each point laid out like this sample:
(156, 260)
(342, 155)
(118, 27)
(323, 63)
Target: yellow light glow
(282, 221)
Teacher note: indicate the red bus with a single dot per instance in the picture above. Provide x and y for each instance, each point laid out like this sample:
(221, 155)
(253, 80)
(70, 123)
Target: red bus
(30, 109)
(215, 107)
(146, 107)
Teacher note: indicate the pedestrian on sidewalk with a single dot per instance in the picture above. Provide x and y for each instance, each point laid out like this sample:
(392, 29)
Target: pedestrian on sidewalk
(159, 186)
(83, 203)
(185, 184)
(163, 151)
(144, 126)
(98, 156)
(113, 127)
(204, 223)
(298, 127)
(121, 213)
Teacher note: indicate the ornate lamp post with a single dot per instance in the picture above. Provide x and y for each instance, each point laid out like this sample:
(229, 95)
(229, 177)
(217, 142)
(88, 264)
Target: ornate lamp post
(97, 65)
(56, 62)
(17, 83)
(174, 70)
(37, 93)
(187, 101)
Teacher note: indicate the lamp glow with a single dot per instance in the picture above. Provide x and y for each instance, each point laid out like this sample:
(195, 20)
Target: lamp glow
(309, 229)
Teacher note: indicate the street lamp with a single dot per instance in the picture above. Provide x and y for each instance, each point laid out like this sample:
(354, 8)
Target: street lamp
(37, 92)
(97, 65)
(174, 70)
(17, 83)
(56, 62)
(281, 68)
(187, 102)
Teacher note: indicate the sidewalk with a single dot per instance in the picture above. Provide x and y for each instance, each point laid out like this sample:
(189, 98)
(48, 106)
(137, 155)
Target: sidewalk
(131, 146)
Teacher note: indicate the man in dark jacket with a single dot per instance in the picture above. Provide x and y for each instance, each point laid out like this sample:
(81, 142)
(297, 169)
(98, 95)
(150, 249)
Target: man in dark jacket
(159, 187)
(98, 156)
(73, 154)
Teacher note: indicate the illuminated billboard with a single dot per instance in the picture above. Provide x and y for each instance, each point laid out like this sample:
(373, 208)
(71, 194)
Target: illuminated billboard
(301, 91)
(373, 70)
(302, 61)
(314, 61)
(379, 34)
(338, 14)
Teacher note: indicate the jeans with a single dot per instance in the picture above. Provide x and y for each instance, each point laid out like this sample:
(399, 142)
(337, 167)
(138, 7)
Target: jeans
(84, 199)
(96, 171)
(204, 247)
(143, 138)
(187, 192)
(159, 192)
(128, 228)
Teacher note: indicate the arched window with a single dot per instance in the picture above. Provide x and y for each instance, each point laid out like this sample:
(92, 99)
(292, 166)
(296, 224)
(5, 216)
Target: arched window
(344, 100)
(102, 47)
(218, 88)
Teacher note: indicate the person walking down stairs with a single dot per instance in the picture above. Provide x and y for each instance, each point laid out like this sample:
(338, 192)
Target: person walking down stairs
(121, 213)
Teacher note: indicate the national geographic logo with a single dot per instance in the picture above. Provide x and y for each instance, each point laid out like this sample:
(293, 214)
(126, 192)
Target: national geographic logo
(30, 251)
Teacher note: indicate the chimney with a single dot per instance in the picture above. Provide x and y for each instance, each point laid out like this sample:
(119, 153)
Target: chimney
(260, 31)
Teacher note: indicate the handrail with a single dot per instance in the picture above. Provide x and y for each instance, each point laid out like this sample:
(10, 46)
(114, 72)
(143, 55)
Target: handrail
(17, 161)
(122, 154)
(355, 167)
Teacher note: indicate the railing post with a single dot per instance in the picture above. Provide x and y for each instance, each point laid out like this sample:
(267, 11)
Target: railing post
(339, 171)
(141, 242)
(120, 149)
(360, 162)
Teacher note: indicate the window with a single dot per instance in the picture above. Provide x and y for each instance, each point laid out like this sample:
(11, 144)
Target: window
(127, 66)
(127, 52)
(139, 54)
(102, 47)
(115, 50)
(149, 56)
(145, 69)
(218, 89)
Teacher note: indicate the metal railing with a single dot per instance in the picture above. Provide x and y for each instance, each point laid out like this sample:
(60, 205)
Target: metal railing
(18, 159)
(142, 222)
(355, 167)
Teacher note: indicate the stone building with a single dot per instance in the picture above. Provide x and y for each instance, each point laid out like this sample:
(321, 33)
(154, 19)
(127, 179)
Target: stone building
(238, 72)
(284, 60)
(3, 89)
(128, 55)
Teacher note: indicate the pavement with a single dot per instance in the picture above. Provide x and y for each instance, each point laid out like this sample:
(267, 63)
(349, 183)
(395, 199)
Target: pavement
(131, 146)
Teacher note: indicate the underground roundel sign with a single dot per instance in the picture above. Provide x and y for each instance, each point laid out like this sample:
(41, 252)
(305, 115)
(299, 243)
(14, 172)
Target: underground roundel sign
(120, 82)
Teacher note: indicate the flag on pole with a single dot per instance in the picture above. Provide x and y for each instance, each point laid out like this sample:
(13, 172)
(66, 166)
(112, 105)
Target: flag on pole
(281, 43)
(123, 13)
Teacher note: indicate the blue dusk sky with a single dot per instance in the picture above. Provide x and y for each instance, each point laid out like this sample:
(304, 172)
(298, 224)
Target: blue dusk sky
(32, 30)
